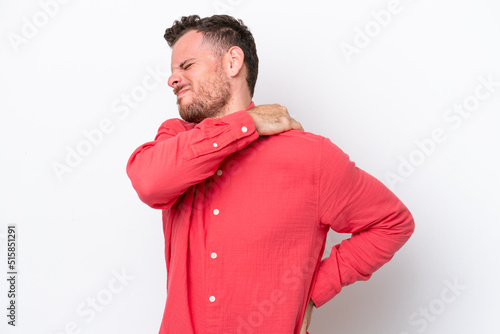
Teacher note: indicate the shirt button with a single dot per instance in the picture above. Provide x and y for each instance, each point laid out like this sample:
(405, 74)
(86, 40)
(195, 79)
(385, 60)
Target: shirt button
(219, 172)
(216, 212)
(244, 129)
(213, 255)
(212, 299)
(215, 145)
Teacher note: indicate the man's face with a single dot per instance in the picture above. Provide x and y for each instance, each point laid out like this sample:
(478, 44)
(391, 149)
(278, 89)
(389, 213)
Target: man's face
(197, 78)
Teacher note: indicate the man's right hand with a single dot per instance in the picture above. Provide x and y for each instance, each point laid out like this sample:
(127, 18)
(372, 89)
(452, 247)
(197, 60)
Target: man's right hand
(270, 119)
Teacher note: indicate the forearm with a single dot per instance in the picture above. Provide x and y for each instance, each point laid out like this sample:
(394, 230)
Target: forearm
(162, 170)
(357, 258)
(353, 201)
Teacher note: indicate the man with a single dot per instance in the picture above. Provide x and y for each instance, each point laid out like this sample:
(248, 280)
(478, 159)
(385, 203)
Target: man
(248, 197)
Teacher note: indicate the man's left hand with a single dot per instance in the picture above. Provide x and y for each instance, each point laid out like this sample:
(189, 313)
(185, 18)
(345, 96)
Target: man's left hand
(307, 317)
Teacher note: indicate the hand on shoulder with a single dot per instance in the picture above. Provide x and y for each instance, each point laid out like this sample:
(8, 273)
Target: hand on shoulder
(271, 119)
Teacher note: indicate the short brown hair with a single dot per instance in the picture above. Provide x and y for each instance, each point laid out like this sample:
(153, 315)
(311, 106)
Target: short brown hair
(222, 32)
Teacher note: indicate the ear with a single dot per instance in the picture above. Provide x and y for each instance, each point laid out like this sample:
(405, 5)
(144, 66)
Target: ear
(235, 61)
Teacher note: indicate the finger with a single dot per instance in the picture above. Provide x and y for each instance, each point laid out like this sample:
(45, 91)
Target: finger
(297, 126)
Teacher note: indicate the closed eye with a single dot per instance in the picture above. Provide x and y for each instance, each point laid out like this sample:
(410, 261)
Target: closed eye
(187, 63)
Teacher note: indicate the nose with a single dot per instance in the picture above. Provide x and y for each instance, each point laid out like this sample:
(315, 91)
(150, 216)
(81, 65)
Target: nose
(174, 80)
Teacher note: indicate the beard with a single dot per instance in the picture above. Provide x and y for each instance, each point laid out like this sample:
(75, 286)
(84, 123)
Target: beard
(208, 100)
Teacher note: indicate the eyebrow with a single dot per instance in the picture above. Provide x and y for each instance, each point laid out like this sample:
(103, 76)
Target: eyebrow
(181, 65)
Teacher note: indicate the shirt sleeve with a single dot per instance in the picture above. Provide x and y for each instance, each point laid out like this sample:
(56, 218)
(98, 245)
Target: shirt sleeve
(353, 201)
(179, 157)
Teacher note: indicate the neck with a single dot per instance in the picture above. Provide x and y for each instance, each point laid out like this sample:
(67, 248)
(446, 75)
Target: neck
(236, 104)
(240, 97)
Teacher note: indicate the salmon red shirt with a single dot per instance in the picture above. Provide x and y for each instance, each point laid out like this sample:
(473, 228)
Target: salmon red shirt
(245, 221)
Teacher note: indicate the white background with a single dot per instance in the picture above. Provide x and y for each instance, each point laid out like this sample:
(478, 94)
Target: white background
(80, 229)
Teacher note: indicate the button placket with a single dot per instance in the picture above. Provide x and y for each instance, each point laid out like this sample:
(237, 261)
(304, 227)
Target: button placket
(213, 256)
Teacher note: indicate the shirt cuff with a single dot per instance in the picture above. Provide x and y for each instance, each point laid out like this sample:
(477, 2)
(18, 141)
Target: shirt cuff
(242, 126)
(323, 290)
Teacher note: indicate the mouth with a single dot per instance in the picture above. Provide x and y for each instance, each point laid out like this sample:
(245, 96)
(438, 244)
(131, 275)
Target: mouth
(182, 92)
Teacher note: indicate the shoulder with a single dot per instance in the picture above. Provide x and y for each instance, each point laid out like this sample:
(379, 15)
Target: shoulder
(294, 144)
(297, 136)
(303, 140)
(305, 146)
